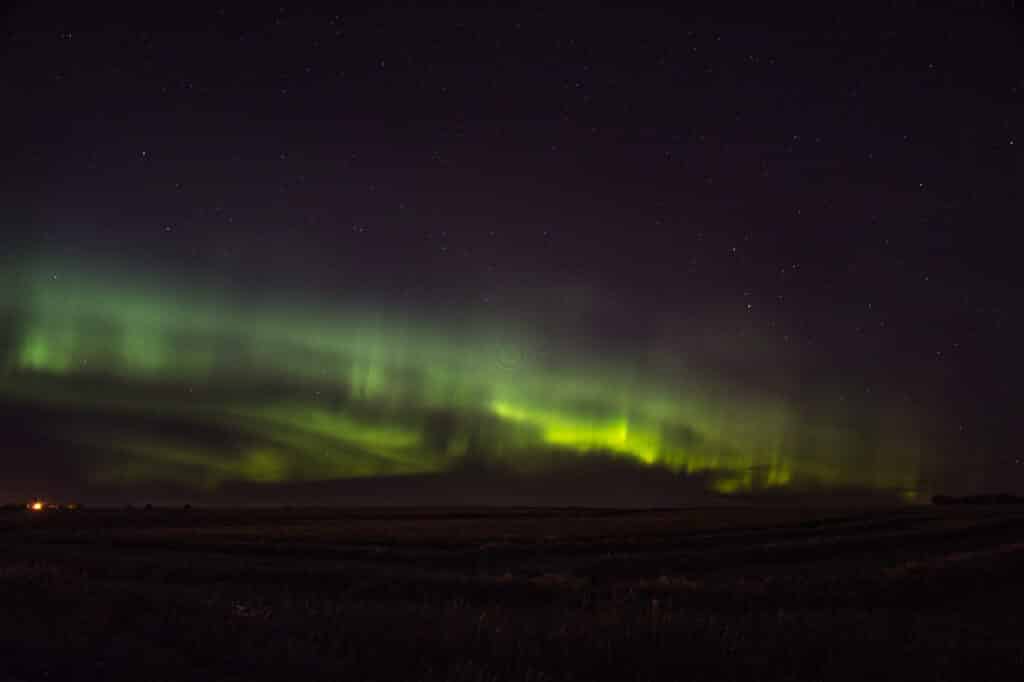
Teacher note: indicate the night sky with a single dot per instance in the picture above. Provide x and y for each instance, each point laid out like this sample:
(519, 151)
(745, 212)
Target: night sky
(629, 258)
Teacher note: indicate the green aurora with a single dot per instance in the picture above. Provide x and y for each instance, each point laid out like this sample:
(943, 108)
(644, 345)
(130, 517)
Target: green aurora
(200, 387)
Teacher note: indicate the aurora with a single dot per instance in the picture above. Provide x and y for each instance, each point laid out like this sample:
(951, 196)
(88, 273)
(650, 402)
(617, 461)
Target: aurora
(200, 387)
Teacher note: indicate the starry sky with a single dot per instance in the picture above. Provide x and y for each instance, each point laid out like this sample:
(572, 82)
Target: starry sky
(614, 256)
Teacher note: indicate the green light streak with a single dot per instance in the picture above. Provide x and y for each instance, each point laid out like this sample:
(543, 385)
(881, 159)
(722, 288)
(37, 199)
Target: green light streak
(307, 392)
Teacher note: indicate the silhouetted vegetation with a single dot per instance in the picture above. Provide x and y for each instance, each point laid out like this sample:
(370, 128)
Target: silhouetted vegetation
(1002, 498)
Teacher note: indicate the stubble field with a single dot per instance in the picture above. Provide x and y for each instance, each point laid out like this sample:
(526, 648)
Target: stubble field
(730, 593)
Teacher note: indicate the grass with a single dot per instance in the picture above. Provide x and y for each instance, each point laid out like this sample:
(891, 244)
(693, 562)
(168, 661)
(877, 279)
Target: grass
(703, 594)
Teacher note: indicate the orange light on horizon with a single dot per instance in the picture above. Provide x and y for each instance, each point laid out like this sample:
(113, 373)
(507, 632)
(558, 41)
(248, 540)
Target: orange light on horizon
(37, 506)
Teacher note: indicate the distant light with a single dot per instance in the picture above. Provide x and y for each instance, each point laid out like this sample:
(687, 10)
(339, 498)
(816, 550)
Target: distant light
(37, 506)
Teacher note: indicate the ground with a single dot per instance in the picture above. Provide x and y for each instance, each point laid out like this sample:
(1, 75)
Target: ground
(733, 593)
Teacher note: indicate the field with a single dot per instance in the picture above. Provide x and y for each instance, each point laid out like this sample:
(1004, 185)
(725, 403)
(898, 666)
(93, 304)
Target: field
(732, 593)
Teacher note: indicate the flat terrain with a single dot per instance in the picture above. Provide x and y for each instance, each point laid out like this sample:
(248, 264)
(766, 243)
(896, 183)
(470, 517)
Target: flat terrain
(737, 593)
